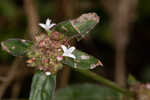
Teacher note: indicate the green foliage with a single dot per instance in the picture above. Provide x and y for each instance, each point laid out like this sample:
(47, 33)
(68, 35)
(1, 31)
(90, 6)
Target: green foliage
(43, 87)
(86, 92)
(82, 61)
(78, 27)
(66, 28)
(16, 47)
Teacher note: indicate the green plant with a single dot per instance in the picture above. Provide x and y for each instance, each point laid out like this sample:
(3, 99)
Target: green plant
(49, 51)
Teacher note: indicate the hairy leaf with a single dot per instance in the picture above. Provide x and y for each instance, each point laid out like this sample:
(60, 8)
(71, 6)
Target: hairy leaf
(42, 86)
(87, 92)
(16, 47)
(82, 61)
(78, 27)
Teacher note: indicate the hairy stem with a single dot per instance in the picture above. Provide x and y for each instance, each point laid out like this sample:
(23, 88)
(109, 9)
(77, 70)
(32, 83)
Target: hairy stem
(104, 81)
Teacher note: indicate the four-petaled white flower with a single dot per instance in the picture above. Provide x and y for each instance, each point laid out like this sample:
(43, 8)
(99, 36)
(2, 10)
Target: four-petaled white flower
(68, 51)
(47, 25)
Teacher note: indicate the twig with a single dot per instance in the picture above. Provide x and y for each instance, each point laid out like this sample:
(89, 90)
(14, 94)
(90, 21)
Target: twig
(122, 13)
(121, 22)
(32, 18)
(32, 21)
(16, 89)
(10, 76)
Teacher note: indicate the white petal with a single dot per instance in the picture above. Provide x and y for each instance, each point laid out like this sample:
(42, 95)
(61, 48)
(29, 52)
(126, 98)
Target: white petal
(47, 28)
(42, 25)
(64, 48)
(48, 22)
(92, 66)
(51, 25)
(71, 49)
(71, 56)
(65, 54)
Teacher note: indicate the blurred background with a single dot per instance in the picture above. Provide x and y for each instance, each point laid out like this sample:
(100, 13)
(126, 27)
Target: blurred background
(120, 40)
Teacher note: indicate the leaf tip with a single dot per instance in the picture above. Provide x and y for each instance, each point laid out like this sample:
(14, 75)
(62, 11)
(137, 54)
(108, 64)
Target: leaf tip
(99, 63)
(92, 66)
(94, 16)
(89, 16)
(4, 47)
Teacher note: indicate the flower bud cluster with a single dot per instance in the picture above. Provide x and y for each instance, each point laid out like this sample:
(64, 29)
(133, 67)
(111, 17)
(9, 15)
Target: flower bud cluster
(46, 53)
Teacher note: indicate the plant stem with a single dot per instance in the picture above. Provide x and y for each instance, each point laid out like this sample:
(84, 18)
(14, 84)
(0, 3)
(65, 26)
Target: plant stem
(105, 82)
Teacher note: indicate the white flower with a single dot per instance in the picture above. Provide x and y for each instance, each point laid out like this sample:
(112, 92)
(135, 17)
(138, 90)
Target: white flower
(68, 51)
(48, 73)
(47, 25)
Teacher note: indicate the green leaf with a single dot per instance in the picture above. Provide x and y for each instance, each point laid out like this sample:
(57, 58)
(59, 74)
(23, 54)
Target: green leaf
(67, 28)
(43, 87)
(82, 61)
(87, 92)
(16, 47)
(78, 27)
